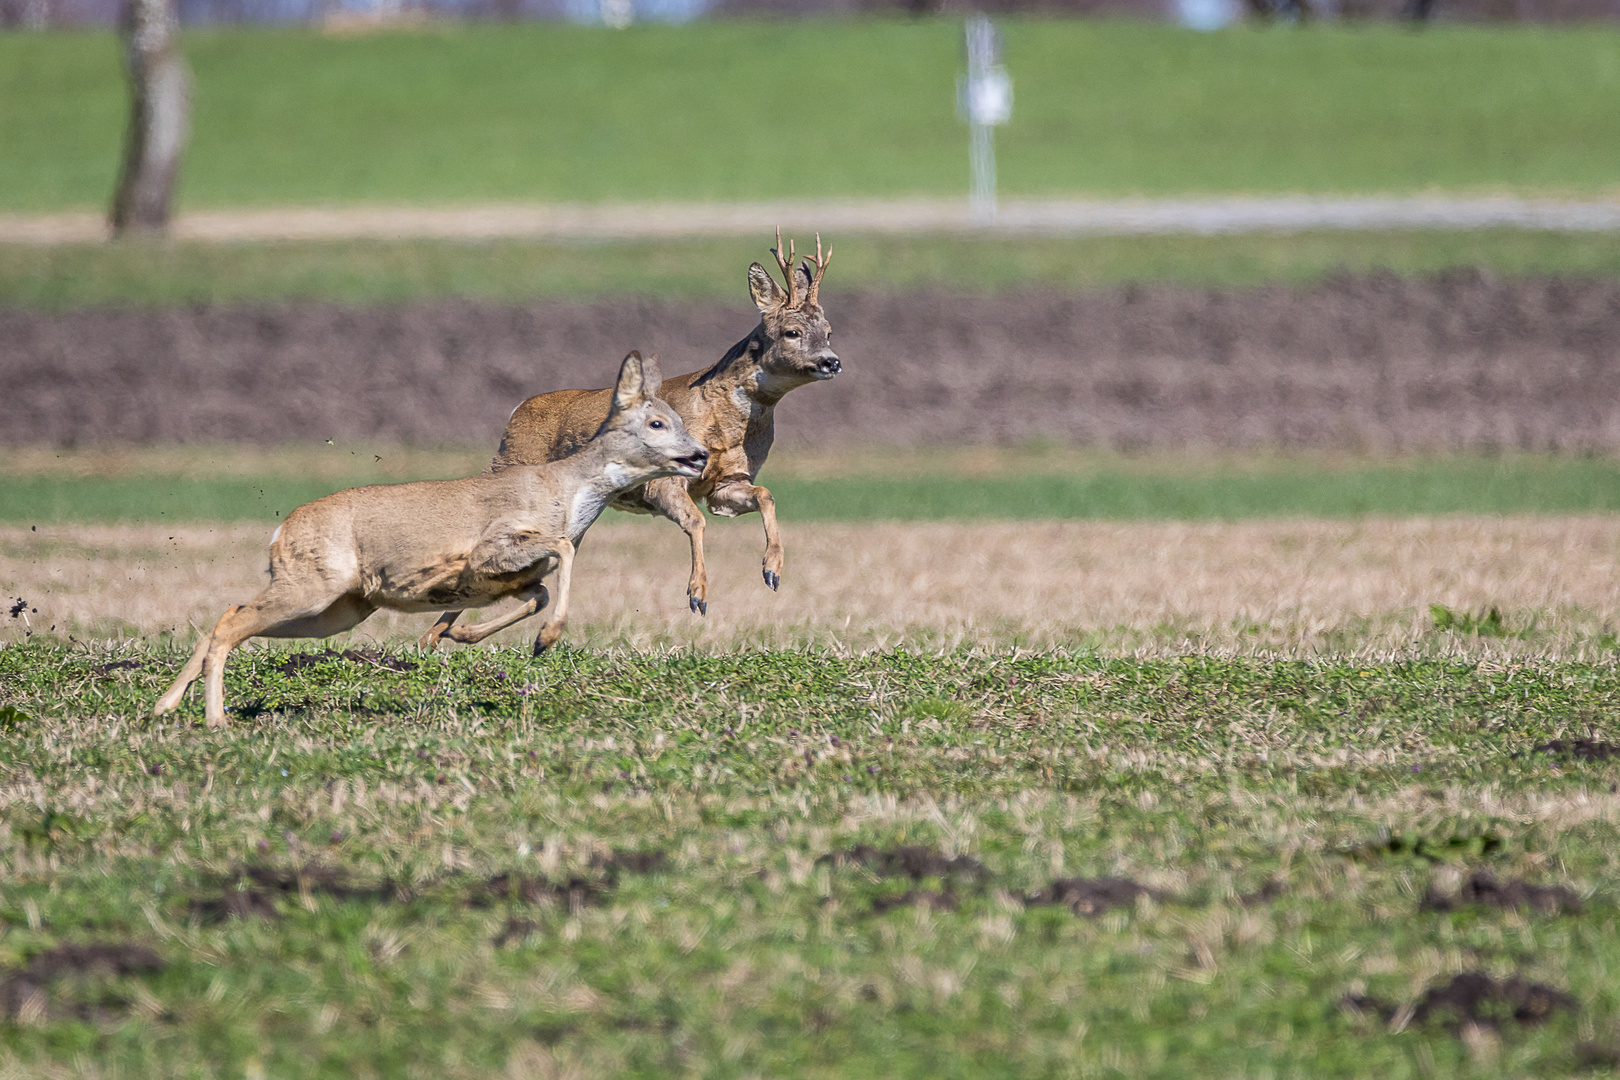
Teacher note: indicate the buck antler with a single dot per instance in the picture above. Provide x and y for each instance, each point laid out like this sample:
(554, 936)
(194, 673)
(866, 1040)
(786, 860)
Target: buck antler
(821, 269)
(793, 298)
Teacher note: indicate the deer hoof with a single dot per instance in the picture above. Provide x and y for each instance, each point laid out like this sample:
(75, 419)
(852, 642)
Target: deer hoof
(773, 579)
(699, 607)
(540, 646)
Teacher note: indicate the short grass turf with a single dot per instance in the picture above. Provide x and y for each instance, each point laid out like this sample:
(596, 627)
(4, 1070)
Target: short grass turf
(135, 274)
(625, 864)
(752, 110)
(1048, 488)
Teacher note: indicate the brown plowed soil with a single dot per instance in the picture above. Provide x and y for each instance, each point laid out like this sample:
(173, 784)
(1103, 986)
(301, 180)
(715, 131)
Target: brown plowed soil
(1361, 362)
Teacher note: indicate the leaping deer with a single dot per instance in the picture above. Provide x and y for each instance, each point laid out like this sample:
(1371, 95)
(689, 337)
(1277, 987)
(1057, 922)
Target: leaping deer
(727, 407)
(450, 543)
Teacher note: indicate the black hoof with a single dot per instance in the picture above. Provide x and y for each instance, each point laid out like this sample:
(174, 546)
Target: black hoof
(539, 647)
(699, 607)
(773, 580)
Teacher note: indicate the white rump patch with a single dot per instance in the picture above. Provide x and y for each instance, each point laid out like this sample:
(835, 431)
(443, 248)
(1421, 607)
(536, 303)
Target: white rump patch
(277, 534)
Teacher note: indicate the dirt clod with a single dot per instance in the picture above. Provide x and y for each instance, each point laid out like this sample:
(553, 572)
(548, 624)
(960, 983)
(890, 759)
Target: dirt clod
(575, 893)
(1482, 888)
(1580, 749)
(25, 993)
(624, 861)
(1093, 896)
(103, 958)
(235, 904)
(108, 668)
(299, 661)
(515, 930)
(319, 880)
(937, 901)
(910, 860)
(1474, 997)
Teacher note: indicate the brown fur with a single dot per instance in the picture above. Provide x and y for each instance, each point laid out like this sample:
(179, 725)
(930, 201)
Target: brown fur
(728, 407)
(450, 543)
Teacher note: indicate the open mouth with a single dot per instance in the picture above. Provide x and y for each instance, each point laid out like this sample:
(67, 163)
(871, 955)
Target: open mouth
(692, 464)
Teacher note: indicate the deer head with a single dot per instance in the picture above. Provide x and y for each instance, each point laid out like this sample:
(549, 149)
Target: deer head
(794, 332)
(644, 436)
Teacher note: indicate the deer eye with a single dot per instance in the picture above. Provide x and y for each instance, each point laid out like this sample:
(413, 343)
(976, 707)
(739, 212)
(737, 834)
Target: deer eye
(657, 425)
(790, 333)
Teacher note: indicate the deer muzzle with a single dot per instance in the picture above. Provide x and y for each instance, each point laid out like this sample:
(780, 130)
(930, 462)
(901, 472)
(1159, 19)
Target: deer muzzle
(828, 365)
(693, 464)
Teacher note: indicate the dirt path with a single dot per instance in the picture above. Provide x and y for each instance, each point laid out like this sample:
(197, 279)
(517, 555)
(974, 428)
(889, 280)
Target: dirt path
(1071, 217)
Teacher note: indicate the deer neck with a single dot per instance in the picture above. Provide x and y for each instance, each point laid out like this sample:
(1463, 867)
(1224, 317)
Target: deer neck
(740, 374)
(591, 477)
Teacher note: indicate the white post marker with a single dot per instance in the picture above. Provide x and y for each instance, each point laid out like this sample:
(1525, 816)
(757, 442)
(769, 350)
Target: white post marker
(984, 99)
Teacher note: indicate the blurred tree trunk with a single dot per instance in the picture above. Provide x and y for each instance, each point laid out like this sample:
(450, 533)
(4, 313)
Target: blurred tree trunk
(160, 102)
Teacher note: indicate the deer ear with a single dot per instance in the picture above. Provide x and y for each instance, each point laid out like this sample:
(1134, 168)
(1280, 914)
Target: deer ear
(631, 387)
(763, 288)
(807, 278)
(652, 376)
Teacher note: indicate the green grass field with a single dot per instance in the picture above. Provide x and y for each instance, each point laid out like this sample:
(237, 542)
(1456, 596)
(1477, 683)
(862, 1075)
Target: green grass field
(430, 876)
(1033, 485)
(139, 274)
(746, 110)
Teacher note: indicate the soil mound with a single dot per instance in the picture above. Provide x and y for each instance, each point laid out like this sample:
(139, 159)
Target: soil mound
(1361, 362)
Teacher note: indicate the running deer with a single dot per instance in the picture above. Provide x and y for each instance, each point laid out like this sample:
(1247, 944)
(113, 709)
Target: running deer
(451, 543)
(727, 407)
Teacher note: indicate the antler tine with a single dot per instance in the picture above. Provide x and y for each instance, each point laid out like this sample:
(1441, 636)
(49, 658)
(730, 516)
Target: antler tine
(787, 267)
(821, 270)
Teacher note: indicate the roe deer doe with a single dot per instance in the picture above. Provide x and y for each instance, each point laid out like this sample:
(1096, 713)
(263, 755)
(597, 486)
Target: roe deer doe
(727, 407)
(450, 543)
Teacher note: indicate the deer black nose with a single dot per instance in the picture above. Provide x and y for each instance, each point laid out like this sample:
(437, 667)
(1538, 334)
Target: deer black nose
(829, 364)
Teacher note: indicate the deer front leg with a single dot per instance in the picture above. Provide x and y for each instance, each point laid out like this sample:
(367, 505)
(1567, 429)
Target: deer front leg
(537, 598)
(744, 496)
(670, 498)
(553, 629)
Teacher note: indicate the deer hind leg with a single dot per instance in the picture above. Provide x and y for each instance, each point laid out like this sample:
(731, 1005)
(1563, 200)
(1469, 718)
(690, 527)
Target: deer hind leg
(670, 498)
(440, 630)
(273, 613)
(537, 599)
(743, 497)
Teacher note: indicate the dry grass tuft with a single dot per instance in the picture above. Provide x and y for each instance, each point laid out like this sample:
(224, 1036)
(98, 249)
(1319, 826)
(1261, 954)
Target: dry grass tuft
(1292, 587)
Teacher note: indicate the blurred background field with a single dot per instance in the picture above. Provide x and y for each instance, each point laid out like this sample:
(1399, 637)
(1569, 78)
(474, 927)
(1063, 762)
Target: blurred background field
(741, 110)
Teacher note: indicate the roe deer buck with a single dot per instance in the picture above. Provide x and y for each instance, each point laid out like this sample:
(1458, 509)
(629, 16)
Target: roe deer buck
(726, 406)
(450, 543)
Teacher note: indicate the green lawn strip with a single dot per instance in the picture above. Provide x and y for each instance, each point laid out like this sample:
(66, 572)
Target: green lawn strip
(1449, 485)
(365, 810)
(549, 112)
(360, 272)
